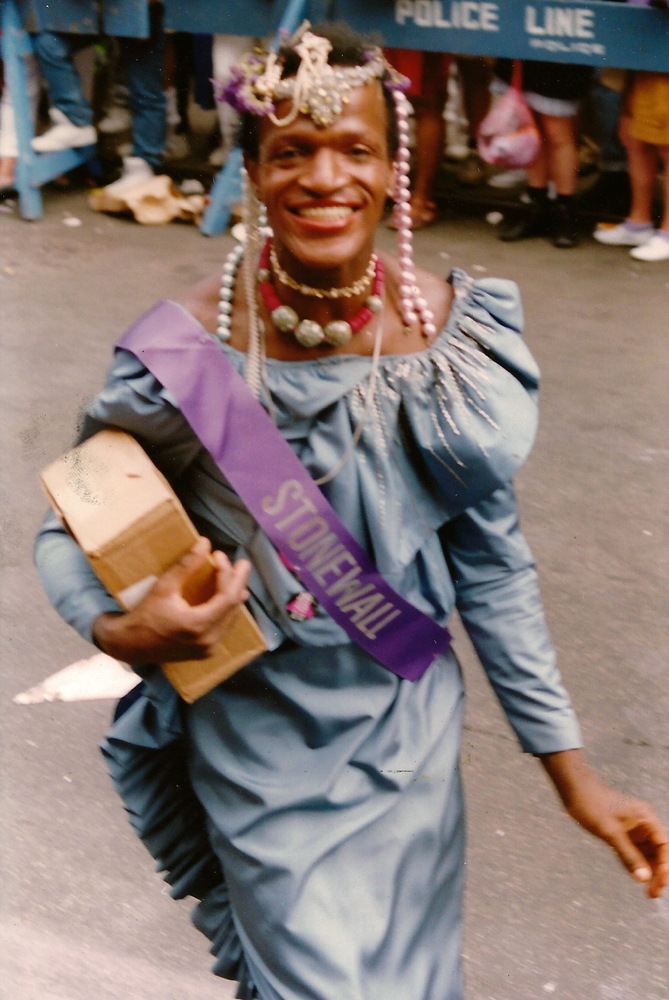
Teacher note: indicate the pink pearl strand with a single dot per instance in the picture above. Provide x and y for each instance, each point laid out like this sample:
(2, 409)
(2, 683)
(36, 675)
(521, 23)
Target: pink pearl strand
(413, 303)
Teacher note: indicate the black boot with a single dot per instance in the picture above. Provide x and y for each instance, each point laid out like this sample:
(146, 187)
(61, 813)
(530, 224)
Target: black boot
(533, 220)
(564, 227)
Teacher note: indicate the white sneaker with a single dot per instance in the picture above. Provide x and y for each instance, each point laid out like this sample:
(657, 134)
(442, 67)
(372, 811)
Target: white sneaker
(623, 235)
(63, 134)
(117, 119)
(135, 171)
(656, 248)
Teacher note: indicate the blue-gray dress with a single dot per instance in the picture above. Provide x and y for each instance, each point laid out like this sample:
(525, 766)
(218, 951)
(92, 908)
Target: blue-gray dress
(312, 803)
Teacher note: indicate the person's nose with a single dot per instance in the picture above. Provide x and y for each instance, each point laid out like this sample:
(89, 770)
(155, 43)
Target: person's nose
(325, 172)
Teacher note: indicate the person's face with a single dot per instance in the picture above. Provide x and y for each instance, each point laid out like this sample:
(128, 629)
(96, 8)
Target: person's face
(325, 189)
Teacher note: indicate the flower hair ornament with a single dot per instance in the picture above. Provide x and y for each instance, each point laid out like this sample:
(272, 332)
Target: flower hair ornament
(321, 91)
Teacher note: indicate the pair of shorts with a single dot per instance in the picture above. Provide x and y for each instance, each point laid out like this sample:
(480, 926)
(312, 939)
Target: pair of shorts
(556, 107)
(424, 70)
(648, 107)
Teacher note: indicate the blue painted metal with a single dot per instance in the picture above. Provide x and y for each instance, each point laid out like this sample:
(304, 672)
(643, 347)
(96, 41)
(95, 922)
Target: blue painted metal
(594, 32)
(225, 192)
(225, 17)
(86, 17)
(78, 16)
(32, 169)
(125, 18)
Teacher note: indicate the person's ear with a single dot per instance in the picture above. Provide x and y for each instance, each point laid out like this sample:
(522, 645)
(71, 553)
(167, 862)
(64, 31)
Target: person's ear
(251, 167)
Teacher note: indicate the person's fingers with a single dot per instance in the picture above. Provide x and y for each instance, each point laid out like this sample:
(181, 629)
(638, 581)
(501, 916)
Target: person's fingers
(660, 878)
(192, 562)
(643, 847)
(631, 856)
(231, 579)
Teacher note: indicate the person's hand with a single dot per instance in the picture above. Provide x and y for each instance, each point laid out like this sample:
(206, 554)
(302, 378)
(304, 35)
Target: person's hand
(629, 825)
(165, 626)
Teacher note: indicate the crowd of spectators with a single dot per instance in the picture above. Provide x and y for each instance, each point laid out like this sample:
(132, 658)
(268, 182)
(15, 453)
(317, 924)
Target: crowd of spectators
(609, 126)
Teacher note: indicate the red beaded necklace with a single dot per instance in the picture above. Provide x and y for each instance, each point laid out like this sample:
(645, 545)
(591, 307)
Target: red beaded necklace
(308, 332)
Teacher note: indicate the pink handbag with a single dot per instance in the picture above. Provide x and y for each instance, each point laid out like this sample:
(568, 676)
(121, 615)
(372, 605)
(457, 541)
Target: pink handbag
(508, 136)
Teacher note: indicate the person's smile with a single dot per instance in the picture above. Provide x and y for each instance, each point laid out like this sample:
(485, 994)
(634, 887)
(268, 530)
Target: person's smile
(324, 214)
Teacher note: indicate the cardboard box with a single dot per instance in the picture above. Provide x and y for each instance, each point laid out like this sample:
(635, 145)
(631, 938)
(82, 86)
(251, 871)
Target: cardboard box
(132, 527)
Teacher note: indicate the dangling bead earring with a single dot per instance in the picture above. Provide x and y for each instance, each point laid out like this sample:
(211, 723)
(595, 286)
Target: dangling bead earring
(413, 304)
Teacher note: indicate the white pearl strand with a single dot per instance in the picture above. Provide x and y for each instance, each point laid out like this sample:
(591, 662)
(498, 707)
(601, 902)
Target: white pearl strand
(414, 306)
(228, 276)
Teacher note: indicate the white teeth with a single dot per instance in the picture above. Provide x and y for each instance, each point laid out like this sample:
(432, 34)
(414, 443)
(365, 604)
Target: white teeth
(326, 212)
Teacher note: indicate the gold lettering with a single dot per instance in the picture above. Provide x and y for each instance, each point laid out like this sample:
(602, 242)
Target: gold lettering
(364, 606)
(363, 625)
(348, 582)
(306, 507)
(337, 558)
(315, 528)
(349, 601)
(274, 506)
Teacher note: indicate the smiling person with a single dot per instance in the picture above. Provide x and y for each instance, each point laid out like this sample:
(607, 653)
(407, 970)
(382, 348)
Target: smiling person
(361, 423)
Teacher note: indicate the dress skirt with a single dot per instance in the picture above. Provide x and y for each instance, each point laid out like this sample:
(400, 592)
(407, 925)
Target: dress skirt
(313, 805)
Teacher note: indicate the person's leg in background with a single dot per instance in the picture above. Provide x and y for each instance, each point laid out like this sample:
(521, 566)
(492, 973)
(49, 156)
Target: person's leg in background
(430, 136)
(644, 131)
(609, 196)
(143, 60)
(475, 73)
(70, 112)
(226, 50)
(559, 139)
(556, 163)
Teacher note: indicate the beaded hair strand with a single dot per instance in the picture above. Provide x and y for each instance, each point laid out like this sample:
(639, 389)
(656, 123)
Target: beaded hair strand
(414, 306)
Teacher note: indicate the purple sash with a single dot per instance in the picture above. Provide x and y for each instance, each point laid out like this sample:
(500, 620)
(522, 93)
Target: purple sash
(278, 491)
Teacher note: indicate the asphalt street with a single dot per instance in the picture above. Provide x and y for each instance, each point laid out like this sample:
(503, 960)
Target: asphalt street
(550, 913)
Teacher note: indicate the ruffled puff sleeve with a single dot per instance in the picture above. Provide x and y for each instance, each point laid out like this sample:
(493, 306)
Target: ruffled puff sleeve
(470, 401)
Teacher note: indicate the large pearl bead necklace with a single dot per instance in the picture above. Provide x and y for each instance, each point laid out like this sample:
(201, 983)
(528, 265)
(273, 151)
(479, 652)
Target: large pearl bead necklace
(307, 332)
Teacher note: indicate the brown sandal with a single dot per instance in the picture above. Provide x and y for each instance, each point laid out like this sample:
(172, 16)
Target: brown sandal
(423, 213)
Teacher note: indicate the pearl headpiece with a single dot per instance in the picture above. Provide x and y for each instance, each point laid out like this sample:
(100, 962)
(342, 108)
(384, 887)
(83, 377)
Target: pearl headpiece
(317, 89)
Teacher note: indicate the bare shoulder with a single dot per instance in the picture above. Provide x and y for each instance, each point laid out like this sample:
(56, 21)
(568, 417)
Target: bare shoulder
(201, 300)
(438, 292)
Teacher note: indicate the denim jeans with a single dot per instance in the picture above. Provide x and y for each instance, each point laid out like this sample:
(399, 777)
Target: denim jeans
(54, 55)
(142, 59)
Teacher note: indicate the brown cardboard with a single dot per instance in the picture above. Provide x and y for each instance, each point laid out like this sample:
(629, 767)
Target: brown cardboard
(132, 527)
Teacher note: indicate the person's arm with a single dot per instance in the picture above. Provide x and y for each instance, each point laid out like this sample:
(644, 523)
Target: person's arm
(628, 825)
(164, 626)
(498, 600)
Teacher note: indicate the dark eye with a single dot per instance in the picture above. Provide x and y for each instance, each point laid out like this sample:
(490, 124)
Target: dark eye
(287, 154)
(360, 152)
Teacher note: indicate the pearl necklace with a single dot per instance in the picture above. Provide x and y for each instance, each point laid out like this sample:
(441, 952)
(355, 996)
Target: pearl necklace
(227, 291)
(308, 332)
